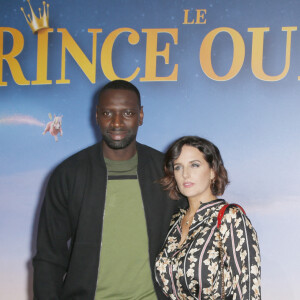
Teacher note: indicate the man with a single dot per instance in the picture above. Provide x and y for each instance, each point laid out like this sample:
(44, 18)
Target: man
(104, 216)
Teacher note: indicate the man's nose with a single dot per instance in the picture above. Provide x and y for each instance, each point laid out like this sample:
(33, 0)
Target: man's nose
(117, 120)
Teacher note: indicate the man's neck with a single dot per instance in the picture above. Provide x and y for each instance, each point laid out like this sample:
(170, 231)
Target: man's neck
(119, 154)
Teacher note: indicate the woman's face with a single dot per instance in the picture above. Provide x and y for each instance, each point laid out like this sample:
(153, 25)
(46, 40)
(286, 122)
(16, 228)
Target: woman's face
(193, 175)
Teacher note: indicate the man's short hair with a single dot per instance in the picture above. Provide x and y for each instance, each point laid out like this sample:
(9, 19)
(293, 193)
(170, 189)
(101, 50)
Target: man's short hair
(120, 85)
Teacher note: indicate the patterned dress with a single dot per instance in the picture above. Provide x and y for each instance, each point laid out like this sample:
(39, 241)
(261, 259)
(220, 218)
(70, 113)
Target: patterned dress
(193, 271)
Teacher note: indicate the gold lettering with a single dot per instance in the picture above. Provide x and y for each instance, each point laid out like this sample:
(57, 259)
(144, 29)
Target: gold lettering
(68, 43)
(201, 16)
(238, 54)
(42, 58)
(258, 49)
(13, 64)
(152, 53)
(186, 17)
(106, 53)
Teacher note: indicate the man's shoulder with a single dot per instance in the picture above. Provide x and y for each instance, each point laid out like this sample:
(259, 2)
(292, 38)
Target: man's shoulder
(81, 158)
(149, 151)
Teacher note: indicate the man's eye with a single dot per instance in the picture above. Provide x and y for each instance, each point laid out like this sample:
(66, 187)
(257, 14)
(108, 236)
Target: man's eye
(128, 114)
(106, 114)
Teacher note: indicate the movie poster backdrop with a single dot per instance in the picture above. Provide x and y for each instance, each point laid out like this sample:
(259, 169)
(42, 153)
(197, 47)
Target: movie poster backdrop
(226, 70)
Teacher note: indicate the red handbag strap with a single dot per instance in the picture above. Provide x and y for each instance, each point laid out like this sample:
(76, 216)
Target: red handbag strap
(223, 209)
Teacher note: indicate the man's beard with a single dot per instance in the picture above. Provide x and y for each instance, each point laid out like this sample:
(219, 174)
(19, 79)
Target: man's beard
(121, 144)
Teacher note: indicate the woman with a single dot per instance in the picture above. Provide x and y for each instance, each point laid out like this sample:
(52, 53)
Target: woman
(189, 266)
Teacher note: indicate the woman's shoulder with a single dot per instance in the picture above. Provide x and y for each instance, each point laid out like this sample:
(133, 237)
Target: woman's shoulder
(233, 217)
(230, 211)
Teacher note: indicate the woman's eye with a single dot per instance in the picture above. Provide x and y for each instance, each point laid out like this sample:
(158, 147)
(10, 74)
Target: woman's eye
(176, 168)
(194, 165)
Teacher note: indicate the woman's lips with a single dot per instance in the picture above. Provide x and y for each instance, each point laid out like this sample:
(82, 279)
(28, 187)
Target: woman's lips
(188, 184)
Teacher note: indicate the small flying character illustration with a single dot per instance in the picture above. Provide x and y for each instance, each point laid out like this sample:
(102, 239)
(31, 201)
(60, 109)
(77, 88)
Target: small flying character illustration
(54, 126)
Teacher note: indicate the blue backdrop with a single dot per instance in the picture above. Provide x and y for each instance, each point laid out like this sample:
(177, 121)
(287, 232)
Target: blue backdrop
(199, 71)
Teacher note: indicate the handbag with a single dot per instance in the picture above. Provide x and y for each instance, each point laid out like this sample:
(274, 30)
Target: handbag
(220, 217)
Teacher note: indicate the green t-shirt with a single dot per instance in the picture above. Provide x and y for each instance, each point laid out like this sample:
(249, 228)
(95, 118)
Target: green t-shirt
(124, 271)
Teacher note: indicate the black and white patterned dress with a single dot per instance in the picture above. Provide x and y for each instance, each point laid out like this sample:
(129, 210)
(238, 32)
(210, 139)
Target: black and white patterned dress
(193, 271)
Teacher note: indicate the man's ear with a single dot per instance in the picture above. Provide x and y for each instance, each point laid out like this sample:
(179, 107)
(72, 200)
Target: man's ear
(97, 115)
(141, 116)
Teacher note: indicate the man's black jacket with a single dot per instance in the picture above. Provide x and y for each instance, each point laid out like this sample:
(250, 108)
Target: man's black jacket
(70, 227)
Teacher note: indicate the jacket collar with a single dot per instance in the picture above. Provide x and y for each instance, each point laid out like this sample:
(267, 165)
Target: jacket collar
(99, 147)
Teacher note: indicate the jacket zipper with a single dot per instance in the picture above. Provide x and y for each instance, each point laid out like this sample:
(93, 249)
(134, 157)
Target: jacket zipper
(101, 233)
(153, 283)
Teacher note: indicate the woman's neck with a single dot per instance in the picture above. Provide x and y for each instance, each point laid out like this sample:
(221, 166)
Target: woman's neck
(194, 204)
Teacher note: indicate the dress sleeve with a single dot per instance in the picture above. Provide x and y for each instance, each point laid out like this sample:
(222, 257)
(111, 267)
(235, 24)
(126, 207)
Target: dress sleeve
(241, 256)
(54, 231)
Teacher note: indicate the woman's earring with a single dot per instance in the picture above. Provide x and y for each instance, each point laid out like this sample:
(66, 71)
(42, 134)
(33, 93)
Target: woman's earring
(212, 183)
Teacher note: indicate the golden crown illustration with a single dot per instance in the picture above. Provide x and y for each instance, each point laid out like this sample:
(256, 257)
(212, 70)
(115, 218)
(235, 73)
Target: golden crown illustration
(33, 21)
